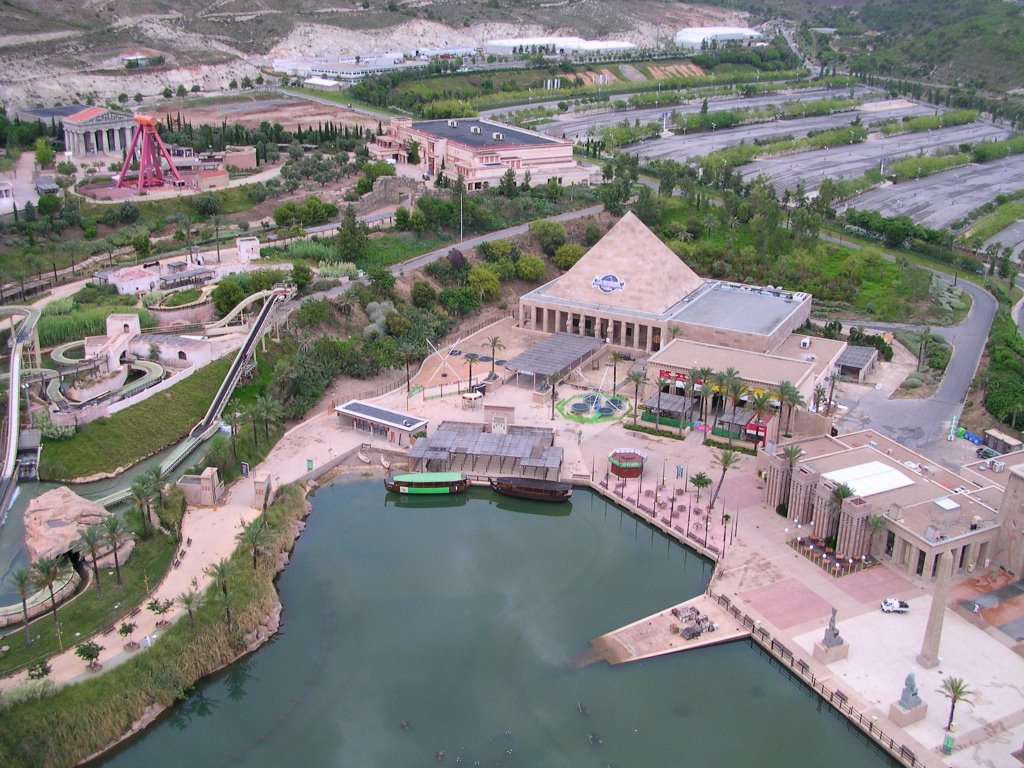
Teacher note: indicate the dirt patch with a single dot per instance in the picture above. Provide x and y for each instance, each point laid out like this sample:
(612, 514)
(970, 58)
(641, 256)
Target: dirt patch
(290, 113)
(685, 69)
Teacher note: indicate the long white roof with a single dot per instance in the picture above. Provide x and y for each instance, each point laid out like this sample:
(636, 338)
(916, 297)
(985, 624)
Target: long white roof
(870, 478)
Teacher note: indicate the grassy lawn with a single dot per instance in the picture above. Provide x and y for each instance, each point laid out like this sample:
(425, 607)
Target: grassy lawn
(343, 98)
(1002, 217)
(182, 298)
(89, 613)
(392, 249)
(134, 433)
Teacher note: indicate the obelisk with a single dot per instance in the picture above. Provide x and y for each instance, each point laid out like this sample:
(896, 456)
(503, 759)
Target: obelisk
(929, 656)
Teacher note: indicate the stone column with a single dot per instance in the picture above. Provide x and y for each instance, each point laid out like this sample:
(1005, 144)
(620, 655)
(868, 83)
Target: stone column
(929, 566)
(929, 656)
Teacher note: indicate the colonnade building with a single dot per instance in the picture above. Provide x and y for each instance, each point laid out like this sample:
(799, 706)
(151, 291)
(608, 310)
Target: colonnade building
(95, 130)
(976, 517)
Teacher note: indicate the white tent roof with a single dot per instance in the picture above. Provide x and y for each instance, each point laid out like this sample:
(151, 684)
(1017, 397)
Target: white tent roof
(870, 478)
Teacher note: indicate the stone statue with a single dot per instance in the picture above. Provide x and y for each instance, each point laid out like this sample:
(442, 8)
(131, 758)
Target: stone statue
(832, 638)
(909, 698)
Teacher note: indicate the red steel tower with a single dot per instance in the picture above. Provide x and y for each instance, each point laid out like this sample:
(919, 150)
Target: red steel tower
(151, 149)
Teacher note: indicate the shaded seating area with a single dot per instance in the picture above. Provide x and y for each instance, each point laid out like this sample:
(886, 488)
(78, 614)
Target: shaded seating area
(552, 358)
(458, 446)
(825, 557)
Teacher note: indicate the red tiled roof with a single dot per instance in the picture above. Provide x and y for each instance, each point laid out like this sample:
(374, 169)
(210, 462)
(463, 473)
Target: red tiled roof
(85, 114)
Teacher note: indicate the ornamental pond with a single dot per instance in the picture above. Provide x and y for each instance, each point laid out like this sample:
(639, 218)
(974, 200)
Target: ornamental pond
(421, 632)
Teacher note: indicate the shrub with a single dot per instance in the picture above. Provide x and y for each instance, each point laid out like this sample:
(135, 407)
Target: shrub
(310, 250)
(550, 234)
(313, 312)
(423, 295)
(459, 300)
(782, 510)
(485, 282)
(567, 255)
(338, 270)
(530, 267)
(496, 250)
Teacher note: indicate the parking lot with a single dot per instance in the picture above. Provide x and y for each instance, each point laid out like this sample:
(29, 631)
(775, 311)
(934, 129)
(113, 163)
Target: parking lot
(810, 168)
(940, 199)
(684, 148)
(574, 126)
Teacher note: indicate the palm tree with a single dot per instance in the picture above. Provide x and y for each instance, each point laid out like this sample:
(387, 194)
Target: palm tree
(47, 571)
(876, 524)
(637, 379)
(233, 420)
(190, 601)
(662, 385)
(840, 493)
(719, 381)
(156, 486)
(471, 357)
(792, 454)
(253, 412)
(831, 390)
(689, 392)
(726, 460)
(495, 343)
(735, 390)
(270, 411)
(760, 403)
(818, 397)
(701, 376)
(700, 481)
(22, 580)
(115, 535)
(254, 538)
(220, 571)
(956, 690)
(143, 501)
(616, 359)
(89, 543)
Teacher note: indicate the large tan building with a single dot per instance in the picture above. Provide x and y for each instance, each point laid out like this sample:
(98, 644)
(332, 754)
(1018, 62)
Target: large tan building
(481, 151)
(634, 291)
(925, 510)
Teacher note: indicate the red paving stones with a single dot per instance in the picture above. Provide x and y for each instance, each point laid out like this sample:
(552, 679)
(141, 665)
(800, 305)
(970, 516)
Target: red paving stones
(1004, 612)
(873, 584)
(787, 603)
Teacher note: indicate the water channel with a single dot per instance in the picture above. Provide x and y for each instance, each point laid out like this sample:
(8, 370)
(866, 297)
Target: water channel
(462, 617)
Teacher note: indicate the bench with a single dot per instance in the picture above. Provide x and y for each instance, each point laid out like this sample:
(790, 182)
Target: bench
(135, 611)
(108, 630)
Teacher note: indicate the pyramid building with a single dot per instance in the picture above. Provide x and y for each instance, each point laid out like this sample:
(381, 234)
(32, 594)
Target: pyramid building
(632, 290)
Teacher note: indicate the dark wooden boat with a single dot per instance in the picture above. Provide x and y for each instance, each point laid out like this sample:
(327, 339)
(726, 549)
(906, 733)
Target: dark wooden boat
(532, 488)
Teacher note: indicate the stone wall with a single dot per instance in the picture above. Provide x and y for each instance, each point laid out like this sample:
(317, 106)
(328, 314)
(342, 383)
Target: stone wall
(390, 190)
(201, 312)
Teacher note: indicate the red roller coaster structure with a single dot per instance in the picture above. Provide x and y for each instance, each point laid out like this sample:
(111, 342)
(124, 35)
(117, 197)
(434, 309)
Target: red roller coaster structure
(151, 150)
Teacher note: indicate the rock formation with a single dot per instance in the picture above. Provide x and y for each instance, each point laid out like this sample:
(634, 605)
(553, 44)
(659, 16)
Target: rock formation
(54, 521)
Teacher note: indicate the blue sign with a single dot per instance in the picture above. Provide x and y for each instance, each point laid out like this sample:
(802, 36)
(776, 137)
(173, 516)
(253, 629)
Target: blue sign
(608, 283)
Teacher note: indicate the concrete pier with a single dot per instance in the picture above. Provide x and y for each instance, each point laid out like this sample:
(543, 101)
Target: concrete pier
(654, 636)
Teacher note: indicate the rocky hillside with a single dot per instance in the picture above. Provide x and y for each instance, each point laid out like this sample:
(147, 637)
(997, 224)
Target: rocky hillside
(61, 50)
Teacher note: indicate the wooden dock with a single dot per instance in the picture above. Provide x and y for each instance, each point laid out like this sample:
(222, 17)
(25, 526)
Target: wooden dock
(658, 635)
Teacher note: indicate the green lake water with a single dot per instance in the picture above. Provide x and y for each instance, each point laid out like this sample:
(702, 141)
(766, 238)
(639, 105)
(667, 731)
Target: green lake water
(463, 620)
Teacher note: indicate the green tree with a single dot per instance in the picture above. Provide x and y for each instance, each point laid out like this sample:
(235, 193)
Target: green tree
(471, 357)
(45, 152)
(89, 652)
(726, 460)
(550, 234)
(301, 276)
(485, 283)
(115, 535)
(792, 454)
(507, 185)
(662, 386)
(142, 245)
(401, 218)
(181, 92)
(423, 295)
(90, 544)
(876, 524)
(167, 92)
(126, 630)
(637, 379)
(840, 493)
(22, 581)
(141, 496)
(270, 412)
(413, 152)
(226, 296)
(700, 481)
(735, 391)
(352, 240)
(956, 690)
(382, 280)
(160, 608)
(616, 358)
(45, 572)
(49, 206)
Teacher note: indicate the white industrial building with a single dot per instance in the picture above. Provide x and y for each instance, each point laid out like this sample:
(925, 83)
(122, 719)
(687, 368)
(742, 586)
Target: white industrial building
(692, 37)
(560, 45)
(348, 70)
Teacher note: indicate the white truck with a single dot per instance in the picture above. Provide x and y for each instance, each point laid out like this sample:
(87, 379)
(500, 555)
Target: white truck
(892, 605)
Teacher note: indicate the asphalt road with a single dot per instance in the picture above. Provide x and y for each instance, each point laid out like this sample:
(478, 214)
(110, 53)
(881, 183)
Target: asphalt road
(813, 166)
(576, 127)
(684, 148)
(1012, 237)
(938, 200)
